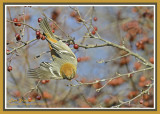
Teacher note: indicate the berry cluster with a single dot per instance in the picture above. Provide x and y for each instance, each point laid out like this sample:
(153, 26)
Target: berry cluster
(16, 22)
(116, 82)
(108, 102)
(39, 35)
(34, 95)
(141, 44)
(45, 81)
(132, 94)
(94, 30)
(124, 61)
(76, 16)
(132, 28)
(144, 12)
(97, 85)
(55, 14)
(143, 81)
(147, 100)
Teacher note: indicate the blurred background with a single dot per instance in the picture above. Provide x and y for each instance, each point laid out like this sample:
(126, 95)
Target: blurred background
(131, 25)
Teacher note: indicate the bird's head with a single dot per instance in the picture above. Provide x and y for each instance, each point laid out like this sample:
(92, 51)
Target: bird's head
(68, 71)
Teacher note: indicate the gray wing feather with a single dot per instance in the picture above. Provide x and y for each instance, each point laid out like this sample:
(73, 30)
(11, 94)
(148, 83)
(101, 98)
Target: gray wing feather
(45, 27)
(45, 71)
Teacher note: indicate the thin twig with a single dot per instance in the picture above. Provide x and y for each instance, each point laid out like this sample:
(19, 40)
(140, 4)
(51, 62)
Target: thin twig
(139, 95)
(23, 24)
(32, 89)
(110, 79)
(103, 61)
(26, 43)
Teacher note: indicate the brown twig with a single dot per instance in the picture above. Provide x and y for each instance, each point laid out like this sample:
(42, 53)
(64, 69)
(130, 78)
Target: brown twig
(26, 43)
(139, 95)
(23, 24)
(110, 79)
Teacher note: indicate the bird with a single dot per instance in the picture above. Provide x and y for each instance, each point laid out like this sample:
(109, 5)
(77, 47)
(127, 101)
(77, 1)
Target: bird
(64, 61)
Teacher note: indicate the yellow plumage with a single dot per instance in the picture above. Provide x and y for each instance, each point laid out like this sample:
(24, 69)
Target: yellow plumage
(50, 38)
(67, 70)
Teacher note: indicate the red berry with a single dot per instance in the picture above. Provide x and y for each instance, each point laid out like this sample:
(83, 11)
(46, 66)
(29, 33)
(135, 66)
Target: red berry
(147, 82)
(91, 100)
(76, 46)
(146, 103)
(95, 28)
(141, 42)
(15, 20)
(43, 37)
(18, 24)
(43, 81)
(38, 97)
(151, 60)
(38, 33)
(93, 32)
(137, 65)
(141, 84)
(73, 14)
(8, 50)
(97, 85)
(18, 37)
(141, 101)
(9, 68)
(78, 59)
(38, 37)
(33, 94)
(47, 81)
(131, 75)
(142, 78)
(95, 18)
(39, 20)
(53, 31)
(17, 93)
(29, 99)
(78, 19)
(140, 45)
(137, 44)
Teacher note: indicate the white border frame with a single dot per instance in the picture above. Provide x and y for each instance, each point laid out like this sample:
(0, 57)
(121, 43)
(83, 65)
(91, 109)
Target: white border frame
(86, 6)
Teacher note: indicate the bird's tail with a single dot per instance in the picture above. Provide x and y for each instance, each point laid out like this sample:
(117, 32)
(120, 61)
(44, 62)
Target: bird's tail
(47, 30)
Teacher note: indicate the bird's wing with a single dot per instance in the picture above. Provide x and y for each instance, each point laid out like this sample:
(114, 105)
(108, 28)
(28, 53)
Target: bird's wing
(62, 48)
(45, 71)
